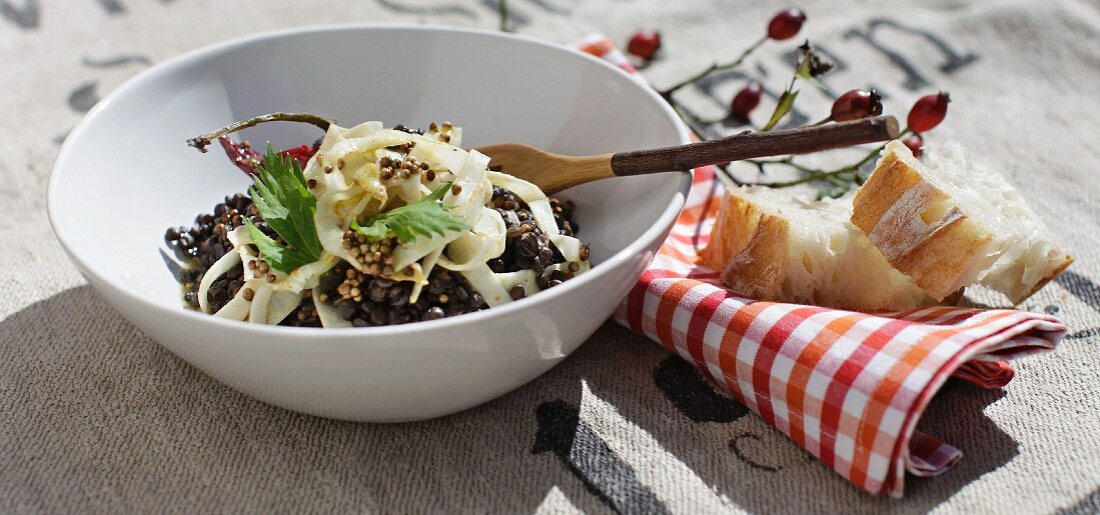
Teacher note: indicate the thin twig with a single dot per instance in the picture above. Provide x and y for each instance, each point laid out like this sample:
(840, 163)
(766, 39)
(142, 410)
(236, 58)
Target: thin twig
(788, 161)
(667, 92)
(761, 165)
(691, 120)
(699, 131)
(725, 167)
(817, 176)
(871, 155)
(202, 141)
(837, 181)
(703, 219)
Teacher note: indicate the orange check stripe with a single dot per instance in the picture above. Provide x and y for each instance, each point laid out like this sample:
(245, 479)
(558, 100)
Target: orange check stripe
(731, 341)
(807, 361)
(666, 310)
(882, 387)
(884, 393)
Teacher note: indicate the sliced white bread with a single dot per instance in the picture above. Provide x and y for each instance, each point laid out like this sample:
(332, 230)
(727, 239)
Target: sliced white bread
(949, 223)
(770, 245)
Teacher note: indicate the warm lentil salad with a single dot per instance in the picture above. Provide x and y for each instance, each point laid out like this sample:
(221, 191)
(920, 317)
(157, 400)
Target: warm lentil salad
(371, 226)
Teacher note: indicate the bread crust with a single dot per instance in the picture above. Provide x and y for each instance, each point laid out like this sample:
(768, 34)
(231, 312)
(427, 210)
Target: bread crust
(725, 243)
(923, 232)
(917, 226)
(751, 248)
(1049, 277)
(748, 247)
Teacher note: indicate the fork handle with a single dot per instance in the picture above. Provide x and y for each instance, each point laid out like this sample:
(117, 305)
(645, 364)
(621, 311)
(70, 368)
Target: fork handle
(750, 145)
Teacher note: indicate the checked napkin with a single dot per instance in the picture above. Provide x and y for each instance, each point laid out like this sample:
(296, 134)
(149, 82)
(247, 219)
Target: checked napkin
(847, 387)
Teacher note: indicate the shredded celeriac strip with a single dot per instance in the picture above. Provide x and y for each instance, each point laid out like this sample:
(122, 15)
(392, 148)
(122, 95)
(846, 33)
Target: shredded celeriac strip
(237, 308)
(534, 197)
(426, 265)
(528, 279)
(280, 304)
(328, 315)
(345, 178)
(482, 243)
(569, 246)
(218, 269)
(487, 284)
(258, 312)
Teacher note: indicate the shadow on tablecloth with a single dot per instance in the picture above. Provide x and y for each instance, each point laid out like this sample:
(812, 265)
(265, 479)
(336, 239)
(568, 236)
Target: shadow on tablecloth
(100, 416)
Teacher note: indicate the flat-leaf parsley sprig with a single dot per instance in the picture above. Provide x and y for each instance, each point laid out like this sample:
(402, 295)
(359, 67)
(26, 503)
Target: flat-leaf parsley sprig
(287, 206)
(425, 217)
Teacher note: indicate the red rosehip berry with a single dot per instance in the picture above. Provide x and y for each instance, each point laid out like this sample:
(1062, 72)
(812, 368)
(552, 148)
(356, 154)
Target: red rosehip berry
(915, 144)
(856, 104)
(928, 112)
(644, 44)
(786, 24)
(746, 100)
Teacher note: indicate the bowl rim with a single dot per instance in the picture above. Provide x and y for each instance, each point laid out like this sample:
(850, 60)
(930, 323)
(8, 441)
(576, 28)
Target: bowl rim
(666, 218)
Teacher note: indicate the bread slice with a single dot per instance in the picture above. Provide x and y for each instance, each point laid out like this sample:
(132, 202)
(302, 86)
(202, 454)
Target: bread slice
(948, 224)
(770, 245)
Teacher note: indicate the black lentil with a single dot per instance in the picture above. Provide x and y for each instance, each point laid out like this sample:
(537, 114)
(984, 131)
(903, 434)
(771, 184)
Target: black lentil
(526, 247)
(387, 302)
(402, 128)
(201, 245)
(367, 300)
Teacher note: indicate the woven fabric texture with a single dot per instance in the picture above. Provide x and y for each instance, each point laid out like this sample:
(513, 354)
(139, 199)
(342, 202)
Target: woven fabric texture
(97, 417)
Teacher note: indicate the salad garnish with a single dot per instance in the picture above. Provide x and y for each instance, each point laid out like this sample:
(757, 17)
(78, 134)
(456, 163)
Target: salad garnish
(372, 226)
(426, 217)
(284, 202)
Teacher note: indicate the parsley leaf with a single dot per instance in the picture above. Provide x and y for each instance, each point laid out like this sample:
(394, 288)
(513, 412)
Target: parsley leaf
(424, 217)
(284, 202)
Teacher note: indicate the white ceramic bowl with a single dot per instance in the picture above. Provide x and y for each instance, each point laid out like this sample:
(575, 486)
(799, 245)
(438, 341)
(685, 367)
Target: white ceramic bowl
(124, 176)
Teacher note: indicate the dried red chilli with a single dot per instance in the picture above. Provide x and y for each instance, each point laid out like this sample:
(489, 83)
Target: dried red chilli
(241, 154)
(301, 153)
(246, 158)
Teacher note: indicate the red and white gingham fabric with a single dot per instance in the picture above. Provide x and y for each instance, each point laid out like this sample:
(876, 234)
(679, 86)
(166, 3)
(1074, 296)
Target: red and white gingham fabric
(848, 387)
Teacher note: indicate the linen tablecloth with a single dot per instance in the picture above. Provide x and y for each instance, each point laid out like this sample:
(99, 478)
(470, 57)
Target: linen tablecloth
(98, 417)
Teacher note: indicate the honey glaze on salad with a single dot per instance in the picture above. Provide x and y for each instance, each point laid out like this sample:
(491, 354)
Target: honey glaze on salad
(372, 226)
